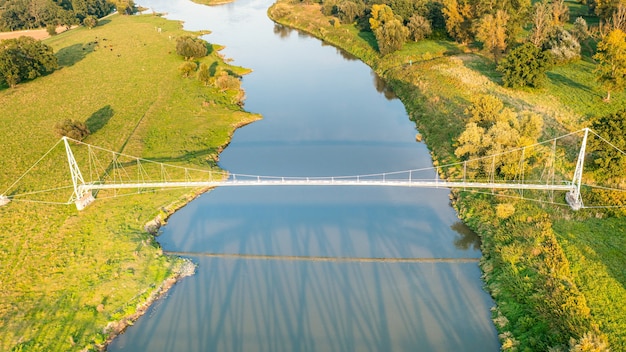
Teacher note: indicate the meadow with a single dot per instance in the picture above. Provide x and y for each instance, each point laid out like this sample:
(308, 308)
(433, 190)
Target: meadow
(555, 274)
(68, 278)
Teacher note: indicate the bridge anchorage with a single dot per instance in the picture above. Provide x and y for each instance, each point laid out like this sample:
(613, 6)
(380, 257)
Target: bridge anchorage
(476, 174)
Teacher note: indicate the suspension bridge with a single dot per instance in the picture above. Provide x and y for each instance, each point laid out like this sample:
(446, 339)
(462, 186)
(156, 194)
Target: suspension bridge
(529, 168)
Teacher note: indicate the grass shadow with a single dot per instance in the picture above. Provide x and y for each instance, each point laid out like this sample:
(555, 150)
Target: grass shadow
(560, 80)
(103, 22)
(483, 66)
(369, 38)
(72, 54)
(99, 119)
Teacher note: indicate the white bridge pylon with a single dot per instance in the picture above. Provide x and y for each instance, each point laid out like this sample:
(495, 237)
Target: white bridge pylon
(115, 175)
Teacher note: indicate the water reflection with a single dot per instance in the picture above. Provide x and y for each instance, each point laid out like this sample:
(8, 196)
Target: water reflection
(267, 305)
(468, 240)
(382, 87)
(282, 31)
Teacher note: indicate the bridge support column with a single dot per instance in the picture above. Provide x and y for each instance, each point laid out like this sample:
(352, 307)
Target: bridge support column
(573, 197)
(82, 197)
(4, 200)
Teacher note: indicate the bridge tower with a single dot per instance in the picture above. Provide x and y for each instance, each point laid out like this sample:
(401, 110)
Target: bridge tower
(573, 197)
(81, 197)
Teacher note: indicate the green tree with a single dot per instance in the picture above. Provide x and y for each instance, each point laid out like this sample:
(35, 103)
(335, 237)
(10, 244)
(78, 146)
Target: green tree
(348, 11)
(90, 21)
(609, 162)
(125, 7)
(458, 15)
(493, 129)
(611, 58)
(204, 74)
(491, 31)
(188, 68)
(25, 58)
(525, 66)
(191, 48)
(389, 31)
(419, 27)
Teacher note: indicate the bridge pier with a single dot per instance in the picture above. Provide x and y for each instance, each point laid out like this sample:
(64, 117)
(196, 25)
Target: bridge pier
(574, 200)
(4, 200)
(84, 201)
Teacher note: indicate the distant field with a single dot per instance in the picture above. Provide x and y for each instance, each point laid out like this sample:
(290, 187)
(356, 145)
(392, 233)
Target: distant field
(65, 275)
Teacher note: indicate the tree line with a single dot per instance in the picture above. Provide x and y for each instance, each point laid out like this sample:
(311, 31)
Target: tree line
(29, 14)
(525, 38)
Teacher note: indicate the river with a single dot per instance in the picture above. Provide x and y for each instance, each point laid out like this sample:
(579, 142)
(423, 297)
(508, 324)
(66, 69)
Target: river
(314, 268)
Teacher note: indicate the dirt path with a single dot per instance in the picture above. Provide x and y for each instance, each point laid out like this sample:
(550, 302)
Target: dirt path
(35, 33)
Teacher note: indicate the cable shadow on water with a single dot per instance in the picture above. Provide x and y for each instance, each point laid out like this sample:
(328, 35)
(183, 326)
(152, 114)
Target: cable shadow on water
(258, 303)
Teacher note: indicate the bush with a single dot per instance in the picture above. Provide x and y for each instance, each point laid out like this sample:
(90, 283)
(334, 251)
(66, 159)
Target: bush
(51, 29)
(188, 68)
(191, 48)
(525, 66)
(90, 22)
(73, 129)
(225, 81)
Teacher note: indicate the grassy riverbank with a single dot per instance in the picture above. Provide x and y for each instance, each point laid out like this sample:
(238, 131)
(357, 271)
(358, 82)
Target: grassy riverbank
(65, 275)
(544, 297)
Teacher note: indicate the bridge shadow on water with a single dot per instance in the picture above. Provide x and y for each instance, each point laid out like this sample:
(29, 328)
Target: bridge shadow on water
(284, 305)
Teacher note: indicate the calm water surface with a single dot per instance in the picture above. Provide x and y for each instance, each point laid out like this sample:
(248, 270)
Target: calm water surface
(324, 114)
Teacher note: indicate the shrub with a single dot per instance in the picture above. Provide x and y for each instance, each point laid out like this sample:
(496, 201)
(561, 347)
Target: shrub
(188, 68)
(191, 48)
(225, 81)
(90, 22)
(71, 128)
(525, 66)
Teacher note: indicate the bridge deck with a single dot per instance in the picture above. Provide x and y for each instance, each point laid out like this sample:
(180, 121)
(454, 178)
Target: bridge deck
(329, 182)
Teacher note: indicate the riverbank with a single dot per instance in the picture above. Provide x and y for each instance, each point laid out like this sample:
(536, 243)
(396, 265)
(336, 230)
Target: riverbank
(66, 275)
(539, 303)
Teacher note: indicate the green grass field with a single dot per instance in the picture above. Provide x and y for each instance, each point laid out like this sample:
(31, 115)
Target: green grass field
(64, 274)
(569, 271)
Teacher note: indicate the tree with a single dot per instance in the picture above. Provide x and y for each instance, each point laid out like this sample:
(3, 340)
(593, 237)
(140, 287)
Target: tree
(419, 27)
(458, 16)
(71, 128)
(542, 23)
(204, 74)
(563, 46)
(191, 48)
(524, 66)
(493, 129)
(25, 58)
(491, 31)
(125, 7)
(188, 68)
(609, 162)
(560, 13)
(348, 11)
(389, 31)
(611, 58)
(90, 21)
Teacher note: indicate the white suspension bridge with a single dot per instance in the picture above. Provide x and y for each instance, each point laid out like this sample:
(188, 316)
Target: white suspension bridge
(115, 174)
